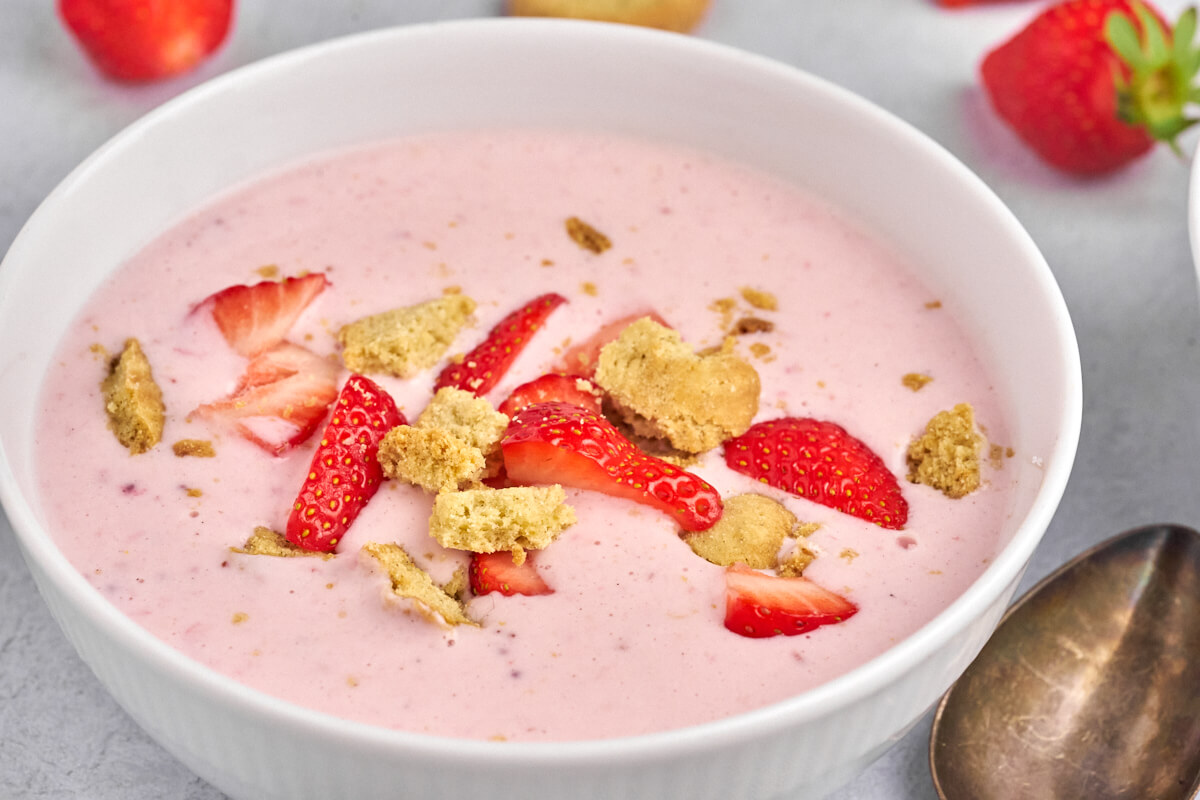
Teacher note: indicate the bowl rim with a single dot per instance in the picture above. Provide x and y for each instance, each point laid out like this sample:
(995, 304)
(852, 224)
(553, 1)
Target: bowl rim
(867, 679)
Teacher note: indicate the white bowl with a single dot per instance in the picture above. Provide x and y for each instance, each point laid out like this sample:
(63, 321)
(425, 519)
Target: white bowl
(1193, 218)
(968, 247)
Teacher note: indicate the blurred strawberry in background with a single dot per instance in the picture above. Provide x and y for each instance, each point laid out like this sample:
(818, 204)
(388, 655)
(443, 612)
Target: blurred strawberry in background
(146, 40)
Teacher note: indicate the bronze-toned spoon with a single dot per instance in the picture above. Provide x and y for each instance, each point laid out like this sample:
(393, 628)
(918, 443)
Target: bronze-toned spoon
(1090, 687)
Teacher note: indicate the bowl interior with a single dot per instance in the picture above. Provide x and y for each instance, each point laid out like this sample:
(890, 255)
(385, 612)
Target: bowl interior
(505, 73)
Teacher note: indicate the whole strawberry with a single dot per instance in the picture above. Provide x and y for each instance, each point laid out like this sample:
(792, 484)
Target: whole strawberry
(345, 471)
(820, 461)
(144, 40)
(1090, 85)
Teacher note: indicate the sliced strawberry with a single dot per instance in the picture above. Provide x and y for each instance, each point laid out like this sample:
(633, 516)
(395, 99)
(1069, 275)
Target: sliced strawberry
(569, 445)
(563, 388)
(582, 358)
(496, 572)
(141, 40)
(482, 368)
(280, 399)
(758, 605)
(345, 471)
(254, 318)
(820, 461)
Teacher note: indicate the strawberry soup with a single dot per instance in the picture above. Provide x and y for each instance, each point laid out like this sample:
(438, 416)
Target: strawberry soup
(632, 637)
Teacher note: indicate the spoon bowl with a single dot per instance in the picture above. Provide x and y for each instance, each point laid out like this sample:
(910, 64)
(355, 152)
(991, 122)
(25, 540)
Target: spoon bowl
(1090, 686)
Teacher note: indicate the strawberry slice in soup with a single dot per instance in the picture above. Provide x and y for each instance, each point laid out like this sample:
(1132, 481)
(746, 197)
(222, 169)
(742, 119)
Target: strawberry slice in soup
(496, 572)
(257, 317)
(759, 605)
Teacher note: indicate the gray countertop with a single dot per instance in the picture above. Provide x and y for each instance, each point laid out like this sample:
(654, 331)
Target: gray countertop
(1118, 247)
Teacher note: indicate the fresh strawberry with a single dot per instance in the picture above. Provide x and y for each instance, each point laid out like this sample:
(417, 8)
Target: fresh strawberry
(758, 605)
(345, 471)
(1090, 85)
(280, 399)
(569, 445)
(144, 40)
(496, 572)
(482, 368)
(554, 386)
(582, 358)
(822, 462)
(256, 317)
(965, 3)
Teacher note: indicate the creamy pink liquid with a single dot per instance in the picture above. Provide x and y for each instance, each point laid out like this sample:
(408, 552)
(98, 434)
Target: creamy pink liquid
(632, 639)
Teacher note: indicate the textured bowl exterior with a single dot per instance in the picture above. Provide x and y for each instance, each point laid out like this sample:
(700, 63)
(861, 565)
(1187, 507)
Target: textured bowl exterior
(497, 73)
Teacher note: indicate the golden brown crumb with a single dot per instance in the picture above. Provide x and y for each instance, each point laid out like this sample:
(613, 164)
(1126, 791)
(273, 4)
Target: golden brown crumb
(664, 390)
(586, 236)
(760, 299)
(751, 531)
(193, 492)
(404, 341)
(806, 529)
(266, 542)
(752, 325)
(724, 306)
(430, 458)
(680, 16)
(848, 555)
(458, 584)
(916, 381)
(198, 448)
(795, 562)
(760, 350)
(491, 520)
(413, 583)
(268, 271)
(589, 288)
(933, 304)
(946, 456)
(133, 400)
(470, 418)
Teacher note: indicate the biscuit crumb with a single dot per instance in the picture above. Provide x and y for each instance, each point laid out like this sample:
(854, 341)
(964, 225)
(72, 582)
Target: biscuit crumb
(848, 555)
(266, 542)
(197, 448)
(268, 271)
(946, 456)
(405, 341)
(752, 325)
(586, 236)
(664, 390)
(133, 400)
(996, 455)
(760, 299)
(725, 306)
(795, 562)
(491, 520)
(916, 381)
(933, 304)
(473, 419)
(431, 458)
(413, 583)
(761, 351)
(589, 288)
(239, 617)
(750, 531)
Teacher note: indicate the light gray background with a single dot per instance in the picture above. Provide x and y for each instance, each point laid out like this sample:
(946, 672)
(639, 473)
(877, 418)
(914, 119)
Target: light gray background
(1118, 247)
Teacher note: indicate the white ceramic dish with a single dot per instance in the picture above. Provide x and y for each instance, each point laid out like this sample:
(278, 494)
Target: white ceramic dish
(1193, 218)
(969, 248)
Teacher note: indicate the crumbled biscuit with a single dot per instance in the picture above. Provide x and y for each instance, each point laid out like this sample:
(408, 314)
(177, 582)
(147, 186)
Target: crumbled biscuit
(586, 236)
(752, 325)
(430, 458)
(680, 16)
(806, 529)
(491, 520)
(470, 418)
(794, 563)
(413, 583)
(266, 542)
(725, 306)
(133, 400)
(760, 299)
(458, 584)
(916, 381)
(750, 531)
(198, 448)
(664, 390)
(946, 456)
(404, 341)
(933, 304)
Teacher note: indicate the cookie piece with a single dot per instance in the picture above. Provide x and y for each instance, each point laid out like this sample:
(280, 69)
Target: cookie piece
(680, 16)
(472, 419)
(413, 583)
(430, 458)
(266, 542)
(490, 520)
(133, 400)
(664, 390)
(751, 532)
(404, 341)
(946, 455)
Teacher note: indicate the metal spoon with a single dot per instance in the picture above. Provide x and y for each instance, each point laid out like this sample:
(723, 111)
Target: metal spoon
(1090, 686)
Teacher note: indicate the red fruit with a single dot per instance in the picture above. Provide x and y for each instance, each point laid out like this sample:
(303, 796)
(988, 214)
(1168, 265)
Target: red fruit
(482, 368)
(496, 572)
(280, 399)
(345, 471)
(253, 318)
(1090, 85)
(552, 387)
(759, 605)
(143, 40)
(582, 358)
(820, 461)
(965, 3)
(569, 445)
